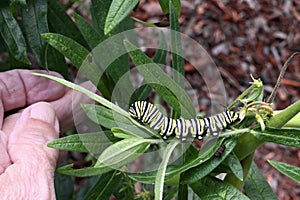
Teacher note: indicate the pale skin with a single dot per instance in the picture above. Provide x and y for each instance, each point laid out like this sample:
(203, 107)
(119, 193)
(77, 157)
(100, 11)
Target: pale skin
(27, 165)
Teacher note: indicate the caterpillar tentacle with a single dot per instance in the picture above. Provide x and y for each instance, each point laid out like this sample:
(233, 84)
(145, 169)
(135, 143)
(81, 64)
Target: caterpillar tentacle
(147, 113)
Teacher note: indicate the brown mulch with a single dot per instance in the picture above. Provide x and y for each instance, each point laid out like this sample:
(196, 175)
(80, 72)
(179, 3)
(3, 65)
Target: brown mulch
(243, 38)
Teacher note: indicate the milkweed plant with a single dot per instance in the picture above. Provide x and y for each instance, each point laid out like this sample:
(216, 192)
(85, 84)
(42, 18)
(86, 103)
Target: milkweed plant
(167, 153)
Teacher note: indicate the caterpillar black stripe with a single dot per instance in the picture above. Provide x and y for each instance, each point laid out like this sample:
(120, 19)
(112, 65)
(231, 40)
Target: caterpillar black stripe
(147, 113)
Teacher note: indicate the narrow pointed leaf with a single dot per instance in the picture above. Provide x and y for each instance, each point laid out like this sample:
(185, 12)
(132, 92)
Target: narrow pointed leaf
(123, 152)
(34, 19)
(161, 54)
(211, 188)
(177, 54)
(161, 172)
(68, 47)
(88, 93)
(160, 58)
(256, 186)
(84, 172)
(92, 37)
(288, 137)
(235, 166)
(109, 119)
(55, 61)
(161, 82)
(123, 134)
(105, 186)
(105, 116)
(12, 35)
(291, 171)
(119, 10)
(61, 22)
(87, 142)
(99, 11)
(197, 173)
(164, 4)
(173, 171)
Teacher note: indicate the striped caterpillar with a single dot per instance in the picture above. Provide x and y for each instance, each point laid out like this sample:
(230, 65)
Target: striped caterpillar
(147, 113)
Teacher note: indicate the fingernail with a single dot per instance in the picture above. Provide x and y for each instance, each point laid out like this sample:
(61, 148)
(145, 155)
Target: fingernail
(43, 111)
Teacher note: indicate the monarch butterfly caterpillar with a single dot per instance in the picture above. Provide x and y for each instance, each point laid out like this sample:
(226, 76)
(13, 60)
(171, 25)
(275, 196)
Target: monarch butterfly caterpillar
(147, 113)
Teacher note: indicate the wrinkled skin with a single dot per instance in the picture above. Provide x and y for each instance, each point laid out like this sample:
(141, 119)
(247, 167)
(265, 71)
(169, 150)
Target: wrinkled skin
(27, 165)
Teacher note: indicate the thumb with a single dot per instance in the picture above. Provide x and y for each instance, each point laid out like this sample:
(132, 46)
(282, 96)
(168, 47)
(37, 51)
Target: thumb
(28, 140)
(31, 175)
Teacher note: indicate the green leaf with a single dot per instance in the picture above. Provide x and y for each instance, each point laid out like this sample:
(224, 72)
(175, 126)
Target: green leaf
(62, 23)
(105, 186)
(64, 186)
(161, 82)
(55, 61)
(12, 35)
(21, 3)
(109, 119)
(174, 171)
(88, 93)
(161, 53)
(291, 171)
(164, 4)
(235, 166)
(123, 152)
(287, 137)
(99, 11)
(123, 134)
(91, 36)
(119, 9)
(105, 116)
(17, 64)
(160, 176)
(160, 57)
(87, 142)
(256, 186)
(233, 180)
(68, 47)
(84, 172)
(34, 19)
(177, 59)
(144, 177)
(210, 188)
(197, 173)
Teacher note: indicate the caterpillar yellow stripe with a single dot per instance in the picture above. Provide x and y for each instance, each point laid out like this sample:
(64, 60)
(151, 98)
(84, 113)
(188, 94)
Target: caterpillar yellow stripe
(147, 113)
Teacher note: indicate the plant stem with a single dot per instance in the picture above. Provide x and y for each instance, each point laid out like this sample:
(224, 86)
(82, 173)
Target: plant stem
(281, 74)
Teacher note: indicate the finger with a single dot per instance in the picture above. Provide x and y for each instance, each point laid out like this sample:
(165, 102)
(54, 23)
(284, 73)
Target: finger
(33, 162)
(68, 108)
(36, 126)
(19, 88)
(4, 157)
(8, 126)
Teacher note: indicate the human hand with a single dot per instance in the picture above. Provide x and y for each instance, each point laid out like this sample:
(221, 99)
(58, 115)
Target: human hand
(27, 165)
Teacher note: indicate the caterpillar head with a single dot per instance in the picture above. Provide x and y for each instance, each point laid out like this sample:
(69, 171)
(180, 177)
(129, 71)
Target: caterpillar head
(234, 116)
(132, 111)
